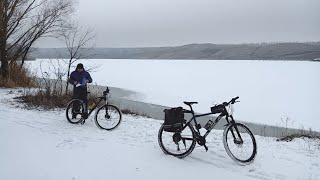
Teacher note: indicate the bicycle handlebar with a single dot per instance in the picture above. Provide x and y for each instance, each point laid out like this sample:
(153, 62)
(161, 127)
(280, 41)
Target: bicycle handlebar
(106, 91)
(232, 101)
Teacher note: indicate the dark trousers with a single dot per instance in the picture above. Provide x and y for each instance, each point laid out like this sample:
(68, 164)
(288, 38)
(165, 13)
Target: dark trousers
(80, 93)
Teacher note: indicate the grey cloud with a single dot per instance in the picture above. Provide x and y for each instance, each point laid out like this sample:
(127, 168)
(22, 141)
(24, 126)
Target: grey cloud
(136, 23)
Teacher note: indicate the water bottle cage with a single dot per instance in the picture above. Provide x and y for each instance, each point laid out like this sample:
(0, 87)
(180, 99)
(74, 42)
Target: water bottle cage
(208, 125)
(92, 106)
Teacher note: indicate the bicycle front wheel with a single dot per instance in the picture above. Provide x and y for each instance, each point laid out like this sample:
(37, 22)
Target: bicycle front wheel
(75, 111)
(178, 144)
(240, 144)
(108, 117)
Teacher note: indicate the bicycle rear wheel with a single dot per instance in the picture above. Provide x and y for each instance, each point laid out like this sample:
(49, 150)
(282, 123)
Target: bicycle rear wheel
(75, 111)
(240, 144)
(177, 144)
(108, 117)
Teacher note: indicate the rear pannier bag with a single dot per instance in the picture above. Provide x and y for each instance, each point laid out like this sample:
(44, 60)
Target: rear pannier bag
(173, 119)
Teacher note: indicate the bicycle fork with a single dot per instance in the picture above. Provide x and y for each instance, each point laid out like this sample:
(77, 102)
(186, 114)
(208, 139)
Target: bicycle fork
(235, 132)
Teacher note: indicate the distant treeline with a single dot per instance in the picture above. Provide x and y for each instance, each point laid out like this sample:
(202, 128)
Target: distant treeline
(263, 51)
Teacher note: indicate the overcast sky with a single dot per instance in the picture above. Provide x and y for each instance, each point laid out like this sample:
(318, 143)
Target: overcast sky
(141, 23)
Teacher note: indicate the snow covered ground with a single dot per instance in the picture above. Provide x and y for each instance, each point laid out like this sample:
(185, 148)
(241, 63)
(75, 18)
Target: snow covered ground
(281, 93)
(38, 145)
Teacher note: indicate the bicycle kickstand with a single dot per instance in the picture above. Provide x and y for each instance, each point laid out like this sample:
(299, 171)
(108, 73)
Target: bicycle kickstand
(205, 147)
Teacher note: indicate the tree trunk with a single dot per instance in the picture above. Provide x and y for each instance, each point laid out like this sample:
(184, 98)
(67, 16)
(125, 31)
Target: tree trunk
(3, 38)
(4, 60)
(24, 56)
(67, 85)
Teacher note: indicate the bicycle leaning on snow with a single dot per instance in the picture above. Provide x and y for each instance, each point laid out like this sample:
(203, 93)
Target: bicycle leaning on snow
(176, 132)
(106, 117)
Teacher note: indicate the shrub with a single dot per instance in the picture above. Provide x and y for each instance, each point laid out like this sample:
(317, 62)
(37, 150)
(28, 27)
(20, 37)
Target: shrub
(18, 77)
(45, 100)
(127, 111)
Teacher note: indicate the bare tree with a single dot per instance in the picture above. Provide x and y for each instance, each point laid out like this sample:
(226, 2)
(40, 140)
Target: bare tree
(52, 77)
(79, 45)
(23, 22)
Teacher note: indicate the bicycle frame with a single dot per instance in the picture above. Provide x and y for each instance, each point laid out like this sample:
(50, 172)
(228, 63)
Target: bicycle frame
(102, 98)
(184, 141)
(95, 106)
(198, 127)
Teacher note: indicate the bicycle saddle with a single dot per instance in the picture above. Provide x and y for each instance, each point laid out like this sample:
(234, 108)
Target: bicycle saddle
(190, 103)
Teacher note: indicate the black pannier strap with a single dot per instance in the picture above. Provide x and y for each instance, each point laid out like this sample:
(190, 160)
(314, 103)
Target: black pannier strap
(173, 119)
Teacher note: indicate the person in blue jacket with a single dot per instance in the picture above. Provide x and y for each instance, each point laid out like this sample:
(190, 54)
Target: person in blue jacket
(79, 78)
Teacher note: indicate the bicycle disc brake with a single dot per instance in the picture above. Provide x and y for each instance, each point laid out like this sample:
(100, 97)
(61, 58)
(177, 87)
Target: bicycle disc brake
(176, 137)
(107, 116)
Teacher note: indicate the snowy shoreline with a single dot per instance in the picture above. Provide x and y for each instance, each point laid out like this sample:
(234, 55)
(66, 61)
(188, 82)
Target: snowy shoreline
(121, 98)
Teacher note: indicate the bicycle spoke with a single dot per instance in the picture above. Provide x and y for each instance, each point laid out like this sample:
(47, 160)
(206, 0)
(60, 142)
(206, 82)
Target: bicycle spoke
(170, 142)
(108, 117)
(74, 111)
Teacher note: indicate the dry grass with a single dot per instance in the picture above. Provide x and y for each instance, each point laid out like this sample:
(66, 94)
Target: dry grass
(18, 77)
(127, 111)
(45, 100)
(309, 135)
(50, 99)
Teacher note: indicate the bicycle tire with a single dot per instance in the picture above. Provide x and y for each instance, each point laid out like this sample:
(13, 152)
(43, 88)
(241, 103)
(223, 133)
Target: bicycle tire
(70, 109)
(101, 122)
(166, 150)
(246, 135)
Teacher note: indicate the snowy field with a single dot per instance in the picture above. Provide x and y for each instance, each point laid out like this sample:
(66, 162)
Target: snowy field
(39, 145)
(281, 93)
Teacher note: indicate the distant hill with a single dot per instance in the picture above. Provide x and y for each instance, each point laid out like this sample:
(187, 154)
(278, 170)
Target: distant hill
(264, 51)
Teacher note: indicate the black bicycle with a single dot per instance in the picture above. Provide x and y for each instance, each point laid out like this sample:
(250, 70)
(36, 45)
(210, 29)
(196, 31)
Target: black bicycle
(106, 117)
(239, 142)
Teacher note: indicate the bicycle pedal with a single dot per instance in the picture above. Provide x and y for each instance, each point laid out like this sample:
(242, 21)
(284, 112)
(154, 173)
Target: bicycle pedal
(83, 121)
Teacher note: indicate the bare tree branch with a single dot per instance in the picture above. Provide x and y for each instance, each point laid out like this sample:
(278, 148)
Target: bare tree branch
(23, 22)
(78, 45)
